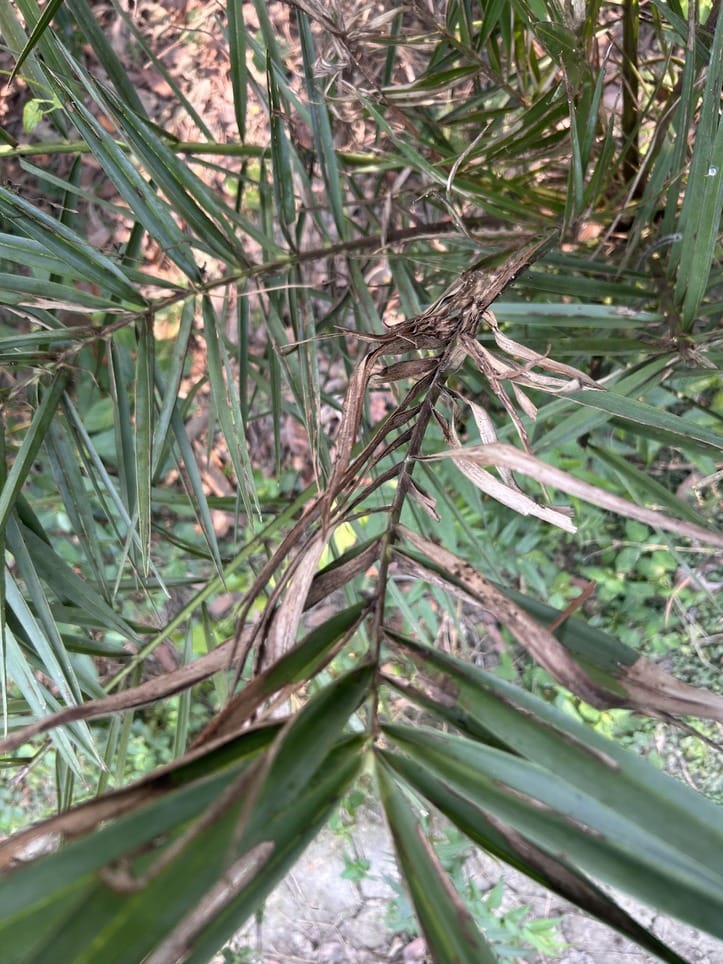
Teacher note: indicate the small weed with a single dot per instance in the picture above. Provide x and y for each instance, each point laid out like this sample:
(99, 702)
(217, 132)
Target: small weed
(242, 955)
(355, 868)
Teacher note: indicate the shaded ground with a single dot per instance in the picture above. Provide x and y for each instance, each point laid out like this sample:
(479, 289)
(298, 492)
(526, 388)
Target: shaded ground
(319, 917)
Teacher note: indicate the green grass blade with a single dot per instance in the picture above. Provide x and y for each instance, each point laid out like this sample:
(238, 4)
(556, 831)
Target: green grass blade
(553, 430)
(15, 38)
(239, 71)
(651, 422)
(38, 30)
(228, 408)
(169, 391)
(142, 200)
(289, 805)
(646, 490)
(70, 589)
(617, 846)
(700, 217)
(143, 435)
(37, 624)
(290, 831)
(577, 754)
(451, 933)
(321, 129)
(186, 193)
(192, 476)
(518, 851)
(281, 163)
(70, 248)
(32, 440)
(38, 698)
(87, 22)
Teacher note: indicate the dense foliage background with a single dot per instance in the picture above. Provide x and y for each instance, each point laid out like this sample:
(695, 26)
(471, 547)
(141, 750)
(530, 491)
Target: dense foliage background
(365, 426)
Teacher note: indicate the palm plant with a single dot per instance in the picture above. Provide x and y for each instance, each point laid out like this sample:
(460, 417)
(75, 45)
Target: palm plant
(426, 161)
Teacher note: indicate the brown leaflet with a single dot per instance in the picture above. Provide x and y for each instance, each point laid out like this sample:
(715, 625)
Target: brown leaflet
(332, 579)
(517, 350)
(285, 621)
(495, 282)
(513, 498)
(654, 691)
(351, 414)
(243, 706)
(497, 369)
(507, 491)
(527, 406)
(423, 498)
(268, 571)
(237, 712)
(645, 687)
(475, 290)
(459, 308)
(413, 368)
(393, 472)
(374, 454)
(85, 817)
(499, 454)
(160, 687)
(279, 621)
(402, 414)
(405, 337)
(490, 365)
(485, 427)
(485, 361)
(533, 637)
(588, 590)
(178, 943)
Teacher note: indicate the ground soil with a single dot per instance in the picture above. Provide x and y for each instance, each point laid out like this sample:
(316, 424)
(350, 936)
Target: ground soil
(317, 916)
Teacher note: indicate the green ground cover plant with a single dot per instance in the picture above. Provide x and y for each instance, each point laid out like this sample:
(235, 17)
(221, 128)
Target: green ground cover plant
(378, 435)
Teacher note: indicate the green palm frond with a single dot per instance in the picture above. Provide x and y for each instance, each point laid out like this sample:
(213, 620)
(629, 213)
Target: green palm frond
(430, 298)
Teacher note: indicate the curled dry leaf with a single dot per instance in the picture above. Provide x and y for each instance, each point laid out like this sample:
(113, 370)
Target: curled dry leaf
(655, 690)
(339, 574)
(527, 406)
(427, 502)
(513, 498)
(640, 685)
(487, 433)
(351, 414)
(575, 378)
(497, 369)
(499, 454)
(535, 638)
(485, 425)
(505, 489)
(157, 688)
(285, 621)
(412, 368)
